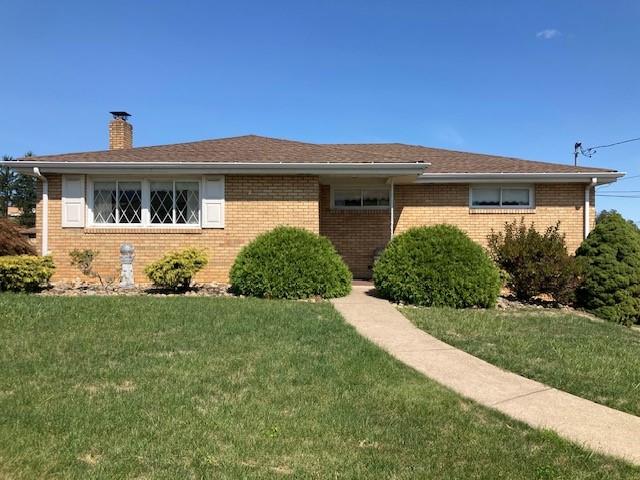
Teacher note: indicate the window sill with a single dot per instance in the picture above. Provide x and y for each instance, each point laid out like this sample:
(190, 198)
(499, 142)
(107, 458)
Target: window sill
(519, 211)
(142, 230)
(365, 210)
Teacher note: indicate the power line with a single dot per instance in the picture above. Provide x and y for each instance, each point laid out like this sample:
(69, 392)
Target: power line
(590, 151)
(616, 196)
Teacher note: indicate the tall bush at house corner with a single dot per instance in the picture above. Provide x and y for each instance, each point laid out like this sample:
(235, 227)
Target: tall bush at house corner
(290, 263)
(176, 269)
(25, 273)
(437, 266)
(536, 263)
(610, 264)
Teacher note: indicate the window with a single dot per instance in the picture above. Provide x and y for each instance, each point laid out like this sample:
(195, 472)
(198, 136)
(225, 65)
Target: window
(175, 203)
(117, 202)
(146, 202)
(353, 197)
(501, 197)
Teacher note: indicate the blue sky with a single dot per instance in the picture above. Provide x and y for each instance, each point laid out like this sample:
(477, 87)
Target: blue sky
(524, 79)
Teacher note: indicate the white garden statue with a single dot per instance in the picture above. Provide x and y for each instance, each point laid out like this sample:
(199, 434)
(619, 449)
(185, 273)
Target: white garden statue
(126, 260)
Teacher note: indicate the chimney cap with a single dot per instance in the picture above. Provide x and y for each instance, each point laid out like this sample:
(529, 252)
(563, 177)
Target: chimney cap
(123, 115)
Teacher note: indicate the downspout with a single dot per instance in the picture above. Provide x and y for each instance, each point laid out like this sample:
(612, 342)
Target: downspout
(587, 206)
(392, 201)
(45, 210)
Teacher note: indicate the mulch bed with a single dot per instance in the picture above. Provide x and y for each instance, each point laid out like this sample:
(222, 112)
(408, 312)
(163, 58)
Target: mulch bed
(79, 289)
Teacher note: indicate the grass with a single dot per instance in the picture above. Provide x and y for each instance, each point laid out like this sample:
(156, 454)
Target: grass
(106, 387)
(599, 361)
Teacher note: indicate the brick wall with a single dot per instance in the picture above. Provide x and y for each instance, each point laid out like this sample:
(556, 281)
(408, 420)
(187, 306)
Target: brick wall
(253, 204)
(356, 234)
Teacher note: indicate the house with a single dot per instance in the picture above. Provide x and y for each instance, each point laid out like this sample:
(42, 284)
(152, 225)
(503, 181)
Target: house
(220, 194)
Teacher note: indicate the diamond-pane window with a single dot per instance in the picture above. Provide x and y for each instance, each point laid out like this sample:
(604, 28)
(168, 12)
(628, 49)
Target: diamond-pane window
(145, 203)
(104, 202)
(161, 202)
(187, 202)
(129, 202)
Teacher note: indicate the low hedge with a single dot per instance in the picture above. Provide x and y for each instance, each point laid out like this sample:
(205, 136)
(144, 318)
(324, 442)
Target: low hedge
(176, 269)
(437, 266)
(290, 263)
(25, 273)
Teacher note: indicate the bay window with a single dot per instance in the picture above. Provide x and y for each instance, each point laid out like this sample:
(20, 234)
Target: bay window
(501, 196)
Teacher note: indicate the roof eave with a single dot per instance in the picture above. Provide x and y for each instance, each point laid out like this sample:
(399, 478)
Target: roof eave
(505, 177)
(329, 168)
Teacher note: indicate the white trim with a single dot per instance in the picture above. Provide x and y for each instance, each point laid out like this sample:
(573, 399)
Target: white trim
(362, 189)
(145, 187)
(532, 198)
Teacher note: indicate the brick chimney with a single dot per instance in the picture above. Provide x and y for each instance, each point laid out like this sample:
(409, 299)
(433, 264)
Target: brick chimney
(120, 131)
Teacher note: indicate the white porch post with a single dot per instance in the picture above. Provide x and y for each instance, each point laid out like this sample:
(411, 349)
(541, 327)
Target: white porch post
(45, 210)
(391, 214)
(587, 206)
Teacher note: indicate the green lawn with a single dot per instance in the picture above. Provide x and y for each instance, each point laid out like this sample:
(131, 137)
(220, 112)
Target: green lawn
(599, 361)
(240, 388)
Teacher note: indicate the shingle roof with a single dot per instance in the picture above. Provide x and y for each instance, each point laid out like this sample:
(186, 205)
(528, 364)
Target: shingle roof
(257, 149)
(450, 161)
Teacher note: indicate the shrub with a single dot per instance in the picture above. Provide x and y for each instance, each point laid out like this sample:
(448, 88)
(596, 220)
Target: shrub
(610, 262)
(290, 263)
(25, 273)
(437, 266)
(12, 242)
(176, 269)
(83, 261)
(535, 262)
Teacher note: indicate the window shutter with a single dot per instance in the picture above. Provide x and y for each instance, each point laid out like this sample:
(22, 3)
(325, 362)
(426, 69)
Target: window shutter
(213, 202)
(73, 201)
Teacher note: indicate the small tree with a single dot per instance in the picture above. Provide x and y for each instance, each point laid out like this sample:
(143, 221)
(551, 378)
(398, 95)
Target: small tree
(610, 261)
(12, 242)
(535, 262)
(83, 261)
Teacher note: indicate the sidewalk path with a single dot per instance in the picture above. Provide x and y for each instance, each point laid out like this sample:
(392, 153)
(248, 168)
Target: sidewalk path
(587, 423)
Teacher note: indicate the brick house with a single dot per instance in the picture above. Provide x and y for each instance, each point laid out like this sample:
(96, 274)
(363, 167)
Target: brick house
(219, 194)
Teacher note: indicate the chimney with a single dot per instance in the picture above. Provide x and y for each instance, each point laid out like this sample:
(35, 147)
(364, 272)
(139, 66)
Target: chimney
(120, 131)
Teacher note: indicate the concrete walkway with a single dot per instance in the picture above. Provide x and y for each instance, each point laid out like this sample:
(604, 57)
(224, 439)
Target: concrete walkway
(589, 424)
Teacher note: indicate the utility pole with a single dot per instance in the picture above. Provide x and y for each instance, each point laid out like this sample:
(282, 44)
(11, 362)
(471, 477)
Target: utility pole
(576, 151)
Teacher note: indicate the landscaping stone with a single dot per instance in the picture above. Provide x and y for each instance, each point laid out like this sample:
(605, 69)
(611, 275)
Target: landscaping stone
(79, 288)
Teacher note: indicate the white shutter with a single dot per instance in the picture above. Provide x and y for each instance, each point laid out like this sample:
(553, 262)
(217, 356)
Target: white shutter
(213, 202)
(73, 201)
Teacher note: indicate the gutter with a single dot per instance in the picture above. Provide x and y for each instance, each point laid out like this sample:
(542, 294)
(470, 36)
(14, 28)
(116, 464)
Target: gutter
(500, 177)
(45, 210)
(371, 169)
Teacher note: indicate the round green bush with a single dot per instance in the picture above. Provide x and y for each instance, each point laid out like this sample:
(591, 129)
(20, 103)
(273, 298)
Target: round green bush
(290, 263)
(610, 262)
(437, 266)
